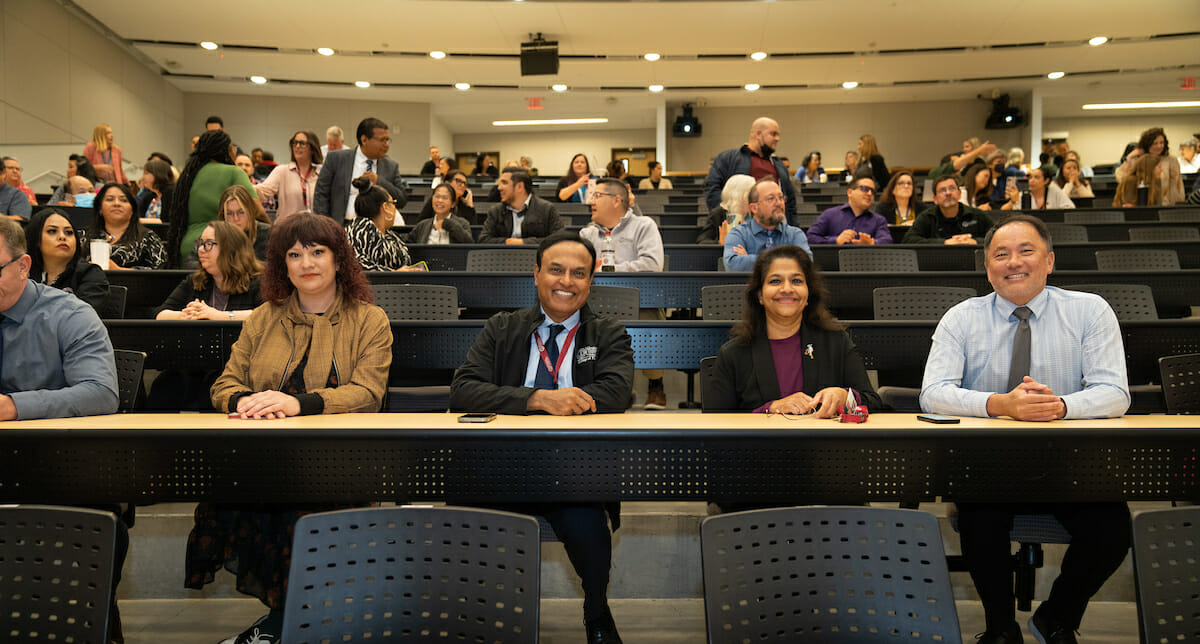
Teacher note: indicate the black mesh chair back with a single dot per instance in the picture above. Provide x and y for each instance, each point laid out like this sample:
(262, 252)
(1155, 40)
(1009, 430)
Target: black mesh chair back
(1179, 215)
(980, 264)
(826, 574)
(113, 306)
(1181, 383)
(1094, 217)
(1067, 233)
(1163, 233)
(723, 301)
(417, 301)
(706, 374)
(413, 574)
(1137, 259)
(502, 260)
(56, 573)
(620, 302)
(130, 365)
(917, 302)
(879, 260)
(1128, 301)
(1167, 574)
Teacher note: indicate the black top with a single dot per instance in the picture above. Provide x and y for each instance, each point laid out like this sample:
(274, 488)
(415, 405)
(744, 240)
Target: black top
(89, 283)
(185, 292)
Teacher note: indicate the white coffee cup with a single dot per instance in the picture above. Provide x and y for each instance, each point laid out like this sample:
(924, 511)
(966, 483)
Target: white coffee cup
(100, 253)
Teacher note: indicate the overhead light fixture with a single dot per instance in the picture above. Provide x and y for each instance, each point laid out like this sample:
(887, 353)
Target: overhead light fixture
(362, 84)
(209, 45)
(1055, 75)
(258, 80)
(758, 55)
(437, 55)
(752, 87)
(325, 51)
(652, 57)
(1096, 41)
(655, 88)
(462, 86)
(558, 87)
(849, 84)
(1140, 106)
(587, 121)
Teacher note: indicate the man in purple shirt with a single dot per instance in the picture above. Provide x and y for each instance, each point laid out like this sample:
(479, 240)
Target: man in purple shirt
(853, 222)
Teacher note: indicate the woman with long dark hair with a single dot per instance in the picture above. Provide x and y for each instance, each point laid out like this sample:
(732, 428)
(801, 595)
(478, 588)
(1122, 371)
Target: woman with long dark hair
(293, 185)
(131, 245)
(376, 245)
(208, 172)
(898, 203)
(573, 185)
(59, 261)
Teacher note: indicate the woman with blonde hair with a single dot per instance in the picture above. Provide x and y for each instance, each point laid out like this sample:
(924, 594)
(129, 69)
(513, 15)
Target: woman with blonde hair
(732, 210)
(242, 210)
(104, 155)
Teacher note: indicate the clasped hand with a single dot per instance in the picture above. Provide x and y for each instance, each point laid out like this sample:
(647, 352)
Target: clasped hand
(561, 402)
(267, 405)
(1030, 400)
(828, 399)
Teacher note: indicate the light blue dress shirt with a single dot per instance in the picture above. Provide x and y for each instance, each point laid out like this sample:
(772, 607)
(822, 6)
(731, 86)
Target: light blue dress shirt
(565, 379)
(754, 238)
(1076, 350)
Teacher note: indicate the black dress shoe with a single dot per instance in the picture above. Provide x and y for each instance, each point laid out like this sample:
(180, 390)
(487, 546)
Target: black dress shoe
(602, 630)
(1009, 635)
(1047, 630)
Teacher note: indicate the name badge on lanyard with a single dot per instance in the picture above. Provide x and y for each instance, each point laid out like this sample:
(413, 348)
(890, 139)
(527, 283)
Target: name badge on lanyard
(554, 368)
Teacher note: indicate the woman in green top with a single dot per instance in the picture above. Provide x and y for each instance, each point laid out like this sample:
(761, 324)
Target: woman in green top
(209, 171)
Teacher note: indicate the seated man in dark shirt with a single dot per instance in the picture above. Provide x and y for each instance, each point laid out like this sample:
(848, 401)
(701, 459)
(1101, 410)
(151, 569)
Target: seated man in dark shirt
(948, 221)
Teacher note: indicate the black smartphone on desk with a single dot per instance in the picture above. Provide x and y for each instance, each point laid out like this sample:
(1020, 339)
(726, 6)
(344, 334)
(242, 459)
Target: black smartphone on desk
(938, 419)
(476, 418)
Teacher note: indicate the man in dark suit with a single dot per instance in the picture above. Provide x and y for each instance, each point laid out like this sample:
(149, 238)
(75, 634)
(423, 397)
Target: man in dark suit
(521, 217)
(558, 358)
(335, 196)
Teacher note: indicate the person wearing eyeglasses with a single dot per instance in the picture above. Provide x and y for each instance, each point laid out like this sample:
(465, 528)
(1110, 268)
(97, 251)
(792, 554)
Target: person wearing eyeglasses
(294, 185)
(766, 229)
(948, 221)
(334, 194)
(463, 205)
(852, 222)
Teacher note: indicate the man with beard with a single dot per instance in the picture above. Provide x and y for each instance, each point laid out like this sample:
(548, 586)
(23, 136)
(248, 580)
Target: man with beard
(757, 159)
(765, 230)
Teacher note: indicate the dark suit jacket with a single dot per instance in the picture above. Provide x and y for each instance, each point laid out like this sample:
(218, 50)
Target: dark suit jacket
(744, 380)
(541, 219)
(492, 379)
(333, 184)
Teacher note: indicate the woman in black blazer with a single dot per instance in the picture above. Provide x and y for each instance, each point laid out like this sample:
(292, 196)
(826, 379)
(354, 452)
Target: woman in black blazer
(788, 353)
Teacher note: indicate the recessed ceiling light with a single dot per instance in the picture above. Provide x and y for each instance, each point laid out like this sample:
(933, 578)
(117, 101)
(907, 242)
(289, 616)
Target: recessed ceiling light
(585, 121)
(325, 51)
(209, 45)
(758, 55)
(462, 86)
(1140, 106)
(437, 55)
(1055, 75)
(362, 84)
(752, 87)
(656, 88)
(558, 87)
(652, 57)
(849, 84)
(1097, 40)
(258, 80)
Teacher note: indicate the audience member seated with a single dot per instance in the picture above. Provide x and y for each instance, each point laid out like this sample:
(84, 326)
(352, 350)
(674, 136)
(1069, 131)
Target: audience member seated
(978, 183)
(80, 193)
(293, 184)
(209, 171)
(851, 166)
(573, 186)
(1167, 181)
(242, 210)
(655, 181)
(1134, 188)
(948, 221)
(997, 162)
(77, 166)
(767, 228)
(58, 260)
(789, 355)
(1071, 180)
(104, 155)
(1046, 353)
(485, 167)
(959, 163)
(810, 170)
(521, 217)
(431, 166)
(464, 201)
(1084, 170)
(527, 165)
(898, 202)
(157, 192)
(316, 346)
(1043, 193)
(558, 358)
(1188, 163)
(732, 211)
(12, 176)
(225, 286)
(444, 167)
(444, 227)
(375, 244)
(852, 222)
(614, 170)
(335, 192)
(1015, 163)
(872, 161)
(131, 244)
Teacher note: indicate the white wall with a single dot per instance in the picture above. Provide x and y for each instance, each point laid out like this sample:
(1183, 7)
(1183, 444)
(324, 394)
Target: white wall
(441, 136)
(1103, 139)
(267, 122)
(60, 77)
(552, 150)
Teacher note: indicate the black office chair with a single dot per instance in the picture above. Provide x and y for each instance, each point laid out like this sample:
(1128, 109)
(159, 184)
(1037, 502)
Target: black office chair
(620, 302)
(1167, 574)
(1128, 301)
(1067, 233)
(830, 574)
(1179, 215)
(413, 573)
(1094, 217)
(417, 301)
(880, 260)
(917, 302)
(56, 573)
(130, 367)
(722, 301)
(501, 260)
(706, 375)
(113, 306)
(1163, 233)
(1181, 383)
(1119, 260)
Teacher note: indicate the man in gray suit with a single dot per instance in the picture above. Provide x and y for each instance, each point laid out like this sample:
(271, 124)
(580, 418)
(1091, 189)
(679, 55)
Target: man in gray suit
(335, 196)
